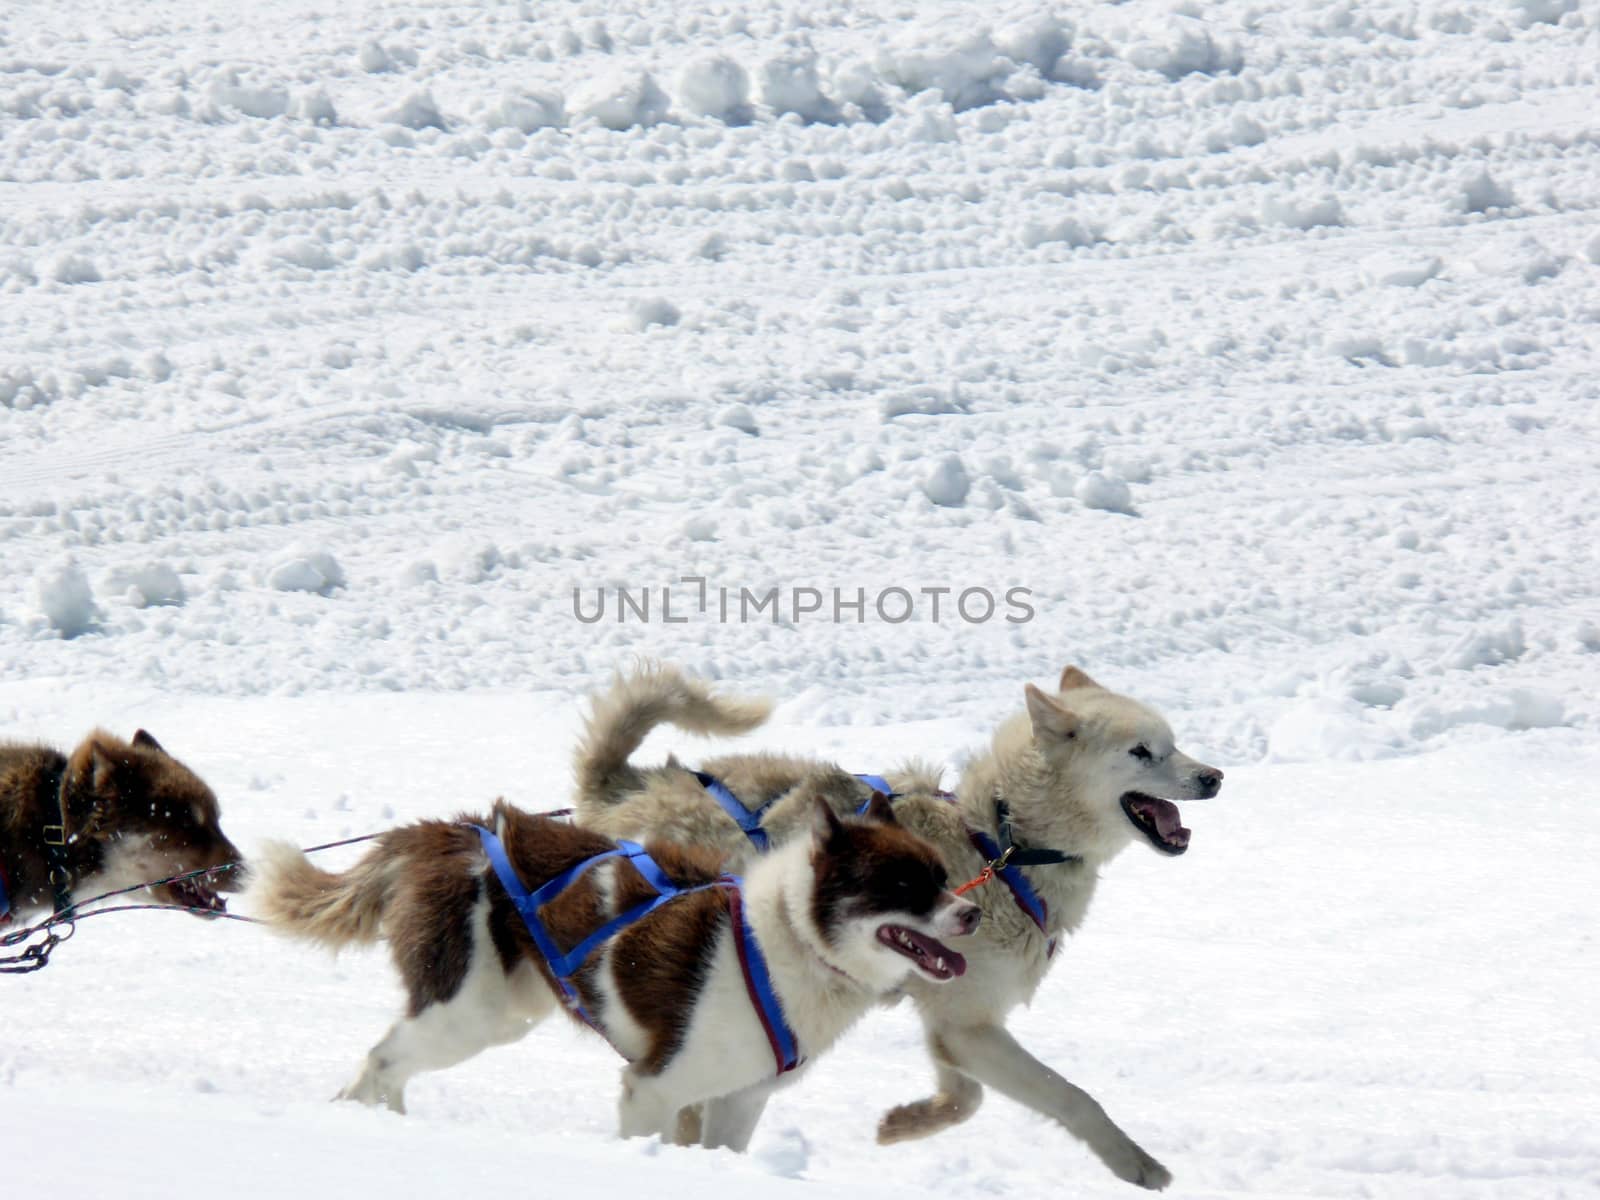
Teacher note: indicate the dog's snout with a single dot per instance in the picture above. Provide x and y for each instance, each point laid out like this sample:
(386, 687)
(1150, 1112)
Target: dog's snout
(967, 917)
(1209, 781)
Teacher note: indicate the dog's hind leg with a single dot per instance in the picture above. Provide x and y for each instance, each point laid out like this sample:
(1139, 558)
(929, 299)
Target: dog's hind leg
(957, 1098)
(994, 1058)
(489, 1009)
(440, 1036)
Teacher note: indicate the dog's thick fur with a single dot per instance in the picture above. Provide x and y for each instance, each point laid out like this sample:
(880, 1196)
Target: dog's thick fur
(1082, 770)
(668, 990)
(129, 813)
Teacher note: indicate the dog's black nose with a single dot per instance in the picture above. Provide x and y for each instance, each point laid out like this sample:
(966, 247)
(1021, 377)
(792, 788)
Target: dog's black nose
(1209, 782)
(969, 918)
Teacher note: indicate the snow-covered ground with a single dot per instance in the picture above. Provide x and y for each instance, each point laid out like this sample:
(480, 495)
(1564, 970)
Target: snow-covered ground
(351, 354)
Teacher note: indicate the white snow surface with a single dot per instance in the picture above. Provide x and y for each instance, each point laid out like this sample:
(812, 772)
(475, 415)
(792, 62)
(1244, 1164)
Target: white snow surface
(350, 351)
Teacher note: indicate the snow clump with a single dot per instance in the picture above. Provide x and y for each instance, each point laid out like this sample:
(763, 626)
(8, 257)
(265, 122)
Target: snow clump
(622, 99)
(306, 571)
(66, 599)
(949, 484)
(714, 86)
(147, 585)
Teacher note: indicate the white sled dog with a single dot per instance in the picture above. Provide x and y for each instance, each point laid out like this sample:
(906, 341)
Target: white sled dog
(1065, 786)
(715, 990)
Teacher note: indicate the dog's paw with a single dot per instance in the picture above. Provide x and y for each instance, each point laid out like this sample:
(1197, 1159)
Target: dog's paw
(1131, 1163)
(920, 1119)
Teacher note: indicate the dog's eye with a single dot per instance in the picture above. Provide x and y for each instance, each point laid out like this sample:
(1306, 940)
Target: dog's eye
(1142, 753)
(912, 891)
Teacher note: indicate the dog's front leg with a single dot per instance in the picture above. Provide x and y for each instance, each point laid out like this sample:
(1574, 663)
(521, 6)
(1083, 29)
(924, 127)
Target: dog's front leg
(730, 1121)
(993, 1057)
(956, 1099)
(691, 1122)
(645, 1109)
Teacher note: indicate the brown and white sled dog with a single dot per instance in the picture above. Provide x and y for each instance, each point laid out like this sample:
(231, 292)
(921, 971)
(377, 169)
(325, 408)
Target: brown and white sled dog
(1082, 770)
(110, 815)
(840, 917)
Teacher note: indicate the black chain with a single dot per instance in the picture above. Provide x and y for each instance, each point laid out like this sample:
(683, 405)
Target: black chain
(37, 957)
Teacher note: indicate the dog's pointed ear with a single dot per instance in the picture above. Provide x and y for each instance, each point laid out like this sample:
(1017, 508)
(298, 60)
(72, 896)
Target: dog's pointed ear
(143, 738)
(1076, 677)
(880, 809)
(826, 826)
(102, 766)
(1052, 720)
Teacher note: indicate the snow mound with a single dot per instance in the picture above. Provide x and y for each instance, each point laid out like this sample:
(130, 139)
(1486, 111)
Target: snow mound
(785, 1153)
(1515, 709)
(1322, 729)
(1399, 268)
(147, 585)
(922, 400)
(969, 74)
(1177, 45)
(713, 85)
(949, 482)
(306, 571)
(1302, 213)
(303, 252)
(1480, 192)
(788, 83)
(1487, 647)
(653, 310)
(739, 416)
(66, 599)
(621, 99)
(252, 100)
(1038, 41)
(374, 59)
(315, 106)
(1107, 492)
(1068, 230)
(74, 268)
(527, 111)
(417, 111)
(1541, 12)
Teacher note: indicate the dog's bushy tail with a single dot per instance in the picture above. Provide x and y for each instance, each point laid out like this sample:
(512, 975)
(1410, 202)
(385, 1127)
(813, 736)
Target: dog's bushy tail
(654, 694)
(302, 900)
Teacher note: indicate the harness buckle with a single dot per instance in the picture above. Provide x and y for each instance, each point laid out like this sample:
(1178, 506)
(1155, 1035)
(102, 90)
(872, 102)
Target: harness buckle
(55, 835)
(990, 869)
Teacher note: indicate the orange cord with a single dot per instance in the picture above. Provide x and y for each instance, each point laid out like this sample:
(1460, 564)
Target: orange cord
(983, 877)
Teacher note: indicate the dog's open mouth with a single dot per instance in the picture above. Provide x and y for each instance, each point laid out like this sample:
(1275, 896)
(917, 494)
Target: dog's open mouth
(934, 959)
(197, 895)
(1158, 820)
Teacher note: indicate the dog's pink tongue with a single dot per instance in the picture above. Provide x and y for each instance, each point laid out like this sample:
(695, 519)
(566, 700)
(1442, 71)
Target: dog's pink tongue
(953, 959)
(1166, 818)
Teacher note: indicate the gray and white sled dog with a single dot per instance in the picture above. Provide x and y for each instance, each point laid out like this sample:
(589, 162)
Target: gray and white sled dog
(1082, 771)
(715, 990)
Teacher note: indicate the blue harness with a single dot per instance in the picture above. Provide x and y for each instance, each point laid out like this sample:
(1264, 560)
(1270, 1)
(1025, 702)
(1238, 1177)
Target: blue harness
(564, 966)
(750, 822)
(5, 900)
(1021, 890)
